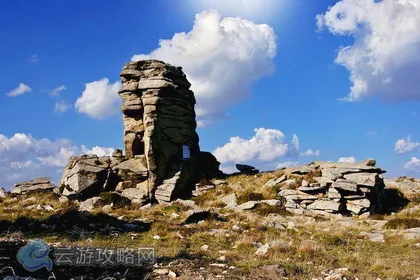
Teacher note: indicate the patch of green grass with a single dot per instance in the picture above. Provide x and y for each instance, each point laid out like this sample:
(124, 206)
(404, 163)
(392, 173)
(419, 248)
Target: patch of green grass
(249, 196)
(264, 209)
(402, 223)
(108, 198)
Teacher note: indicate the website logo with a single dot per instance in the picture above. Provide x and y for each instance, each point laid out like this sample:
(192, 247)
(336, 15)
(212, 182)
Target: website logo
(34, 255)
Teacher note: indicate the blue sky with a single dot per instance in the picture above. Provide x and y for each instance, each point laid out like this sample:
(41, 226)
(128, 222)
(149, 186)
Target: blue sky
(54, 53)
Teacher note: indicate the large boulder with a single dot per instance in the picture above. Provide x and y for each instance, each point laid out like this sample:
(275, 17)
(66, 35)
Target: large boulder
(3, 193)
(87, 176)
(39, 184)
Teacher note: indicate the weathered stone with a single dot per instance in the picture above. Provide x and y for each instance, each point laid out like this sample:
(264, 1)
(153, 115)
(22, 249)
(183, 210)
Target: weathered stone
(323, 181)
(249, 205)
(344, 185)
(363, 179)
(326, 205)
(89, 204)
(274, 182)
(302, 170)
(262, 250)
(311, 188)
(333, 194)
(375, 236)
(3, 193)
(22, 189)
(38, 181)
(229, 200)
(296, 195)
(135, 195)
(365, 203)
(87, 176)
(165, 192)
(247, 169)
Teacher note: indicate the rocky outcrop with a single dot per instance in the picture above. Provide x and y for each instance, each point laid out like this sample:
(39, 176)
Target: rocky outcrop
(3, 193)
(159, 126)
(39, 184)
(162, 158)
(87, 176)
(337, 188)
(247, 169)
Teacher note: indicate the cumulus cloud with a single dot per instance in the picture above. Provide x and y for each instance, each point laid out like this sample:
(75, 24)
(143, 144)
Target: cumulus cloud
(403, 146)
(57, 90)
(384, 59)
(61, 107)
(311, 153)
(221, 57)
(249, 9)
(265, 148)
(22, 157)
(21, 89)
(350, 160)
(413, 164)
(100, 99)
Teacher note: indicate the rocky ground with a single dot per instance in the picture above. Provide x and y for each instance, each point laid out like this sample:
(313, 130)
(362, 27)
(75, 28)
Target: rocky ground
(239, 227)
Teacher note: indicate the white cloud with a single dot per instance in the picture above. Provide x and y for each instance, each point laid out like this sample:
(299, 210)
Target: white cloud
(100, 99)
(61, 107)
(384, 59)
(403, 146)
(57, 90)
(221, 57)
(264, 150)
(413, 164)
(22, 157)
(265, 145)
(350, 160)
(311, 152)
(287, 164)
(100, 151)
(249, 9)
(33, 58)
(21, 89)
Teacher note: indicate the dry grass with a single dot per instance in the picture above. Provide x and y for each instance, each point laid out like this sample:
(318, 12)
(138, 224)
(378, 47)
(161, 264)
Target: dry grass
(304, 251)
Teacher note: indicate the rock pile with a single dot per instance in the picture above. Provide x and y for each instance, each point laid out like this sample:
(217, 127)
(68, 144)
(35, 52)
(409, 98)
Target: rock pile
(336, 188)
(162, 158)
(39, 184)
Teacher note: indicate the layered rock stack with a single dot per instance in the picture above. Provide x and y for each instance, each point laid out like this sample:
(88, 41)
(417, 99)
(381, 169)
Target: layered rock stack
(159, 117)
(162, 158)
(337, 188)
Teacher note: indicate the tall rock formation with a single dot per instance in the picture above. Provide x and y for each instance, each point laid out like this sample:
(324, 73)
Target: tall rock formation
(159, 117)
(162, 158)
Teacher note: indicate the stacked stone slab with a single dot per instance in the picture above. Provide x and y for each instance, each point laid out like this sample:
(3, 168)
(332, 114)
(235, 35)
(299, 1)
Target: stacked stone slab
(39, 184)
(159, 129)
(340, 188)
(159, 123)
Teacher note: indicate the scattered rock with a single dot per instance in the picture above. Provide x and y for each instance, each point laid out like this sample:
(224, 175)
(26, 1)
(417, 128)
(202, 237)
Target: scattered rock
(89, 204)
(375, 236)
(247, 169)
(204, 248)
(39, 184)
(326, 205)
(274, 182)
(261, 251)
(249, 205)
(230, 200)
(63, 199)
(3, 193)
(135, 195)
